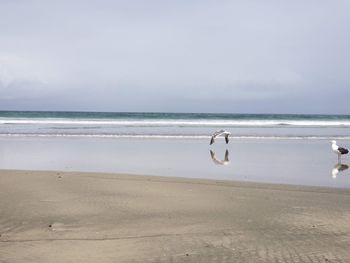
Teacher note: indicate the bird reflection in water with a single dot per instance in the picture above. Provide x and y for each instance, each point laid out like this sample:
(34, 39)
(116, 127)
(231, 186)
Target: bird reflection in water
(339, 167)
(225, 161)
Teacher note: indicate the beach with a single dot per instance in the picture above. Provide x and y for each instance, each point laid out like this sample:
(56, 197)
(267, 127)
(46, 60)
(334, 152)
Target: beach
(99, 217)
(308, 162)
(89, 191)
(174, 131)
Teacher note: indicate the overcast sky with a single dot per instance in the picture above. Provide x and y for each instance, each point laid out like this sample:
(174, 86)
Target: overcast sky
(176, 56)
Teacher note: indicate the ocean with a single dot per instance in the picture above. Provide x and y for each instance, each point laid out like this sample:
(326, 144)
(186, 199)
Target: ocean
(272, 148)
(173, 125)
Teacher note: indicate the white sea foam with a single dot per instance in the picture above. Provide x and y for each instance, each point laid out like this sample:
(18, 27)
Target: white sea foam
(177, 123)
(158, 136)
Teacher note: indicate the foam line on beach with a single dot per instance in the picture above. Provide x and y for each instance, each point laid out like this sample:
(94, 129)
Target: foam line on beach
(180, 122)
(161, 136)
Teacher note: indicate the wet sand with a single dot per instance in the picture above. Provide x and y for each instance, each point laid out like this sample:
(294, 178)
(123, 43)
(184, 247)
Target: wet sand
(96, 217)
(297, 162)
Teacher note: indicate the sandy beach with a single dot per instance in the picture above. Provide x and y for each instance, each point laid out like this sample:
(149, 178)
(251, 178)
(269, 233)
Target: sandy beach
(99, 217)
(174, 131)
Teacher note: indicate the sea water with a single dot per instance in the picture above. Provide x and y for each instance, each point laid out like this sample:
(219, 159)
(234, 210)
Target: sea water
(173, 125)
(286, 149)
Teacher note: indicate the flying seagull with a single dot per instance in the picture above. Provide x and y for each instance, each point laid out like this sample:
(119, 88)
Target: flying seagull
(219, 133)
(220, 162)
(339, 150)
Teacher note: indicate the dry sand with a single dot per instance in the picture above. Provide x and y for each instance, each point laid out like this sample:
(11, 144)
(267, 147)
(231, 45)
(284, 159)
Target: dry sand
(90, 217)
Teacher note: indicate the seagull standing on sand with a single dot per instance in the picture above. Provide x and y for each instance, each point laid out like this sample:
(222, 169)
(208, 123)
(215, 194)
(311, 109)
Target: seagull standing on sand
(339, 150)
(219, 133)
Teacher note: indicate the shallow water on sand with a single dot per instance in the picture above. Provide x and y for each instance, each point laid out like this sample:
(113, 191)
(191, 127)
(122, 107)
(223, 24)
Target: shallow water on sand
(299, 162)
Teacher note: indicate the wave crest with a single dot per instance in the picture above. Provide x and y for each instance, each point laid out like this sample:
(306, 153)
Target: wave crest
(179, 123)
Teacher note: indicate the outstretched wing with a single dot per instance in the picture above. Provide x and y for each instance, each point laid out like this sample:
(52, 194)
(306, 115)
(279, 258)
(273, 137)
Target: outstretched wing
(212, 140)
(215, 134)
(226, 138)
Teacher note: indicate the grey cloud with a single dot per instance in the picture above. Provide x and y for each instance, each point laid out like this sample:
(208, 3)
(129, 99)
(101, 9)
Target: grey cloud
(233, 56)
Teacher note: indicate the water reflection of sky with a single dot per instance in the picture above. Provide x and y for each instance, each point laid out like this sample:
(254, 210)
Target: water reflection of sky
(301, 162)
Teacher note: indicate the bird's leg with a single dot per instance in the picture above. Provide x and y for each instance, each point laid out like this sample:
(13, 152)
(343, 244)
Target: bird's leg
(339, 161)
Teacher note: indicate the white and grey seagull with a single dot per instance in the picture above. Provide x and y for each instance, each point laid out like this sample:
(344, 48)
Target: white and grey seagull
(219, 133)
(339, 150)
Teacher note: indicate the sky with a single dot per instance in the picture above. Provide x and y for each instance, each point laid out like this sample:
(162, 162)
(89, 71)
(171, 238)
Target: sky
(244, 56)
